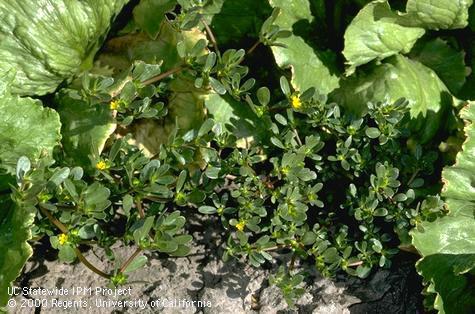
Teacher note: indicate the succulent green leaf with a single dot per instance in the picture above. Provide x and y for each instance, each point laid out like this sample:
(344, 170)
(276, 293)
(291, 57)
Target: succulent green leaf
(439, 14)
(373, 132)
(447, 245)
(308, 68)
(375, 34)
(67, 254)
(137, 263)
(15, 223)
(48, 41)
(145, 227)
(181, 251)
(399, 77)
(26, 128)
(85, 128)
(207, 209)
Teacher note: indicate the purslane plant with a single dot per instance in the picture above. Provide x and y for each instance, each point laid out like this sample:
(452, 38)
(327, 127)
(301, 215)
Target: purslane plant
(277, 196)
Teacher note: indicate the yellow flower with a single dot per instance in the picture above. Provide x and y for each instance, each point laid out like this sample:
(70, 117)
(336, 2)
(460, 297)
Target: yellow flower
(44, 197)
(296, 102)
(102, 165)
(114, 105)
(63, 238)
(240, 225)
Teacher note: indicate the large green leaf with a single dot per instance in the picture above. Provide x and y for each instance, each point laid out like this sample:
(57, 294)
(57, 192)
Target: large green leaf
(448, 63)
(447, 245)
(85, 128)
(120, 52)
(308, 69)
(47, 41)
(438, 14)
(235, 117)
(239, 19)
(26, 128)
(185, 111)
(15, 222)
(395, 78)
(185, 103)
(376, 33)
(149, 14)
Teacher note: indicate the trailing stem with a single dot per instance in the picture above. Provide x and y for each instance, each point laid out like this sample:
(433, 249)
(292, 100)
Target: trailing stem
(65, 230)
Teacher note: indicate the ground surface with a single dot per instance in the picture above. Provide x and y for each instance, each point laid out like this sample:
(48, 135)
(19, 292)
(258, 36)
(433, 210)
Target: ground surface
(226, 287)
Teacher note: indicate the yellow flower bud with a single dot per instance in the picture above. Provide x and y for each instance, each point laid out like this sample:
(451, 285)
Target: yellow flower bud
(114, 105)
(63, 238)
(296, 102)
(102, 165)
(240, 225)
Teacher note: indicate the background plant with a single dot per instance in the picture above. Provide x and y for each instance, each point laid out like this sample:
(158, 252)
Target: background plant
(333, 153)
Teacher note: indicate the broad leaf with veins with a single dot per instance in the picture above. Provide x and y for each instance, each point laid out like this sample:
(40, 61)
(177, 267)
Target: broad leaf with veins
(377, 33)
(400, 77)
(447, 245)
(26, 128)
(308, 69)
(47, 41)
